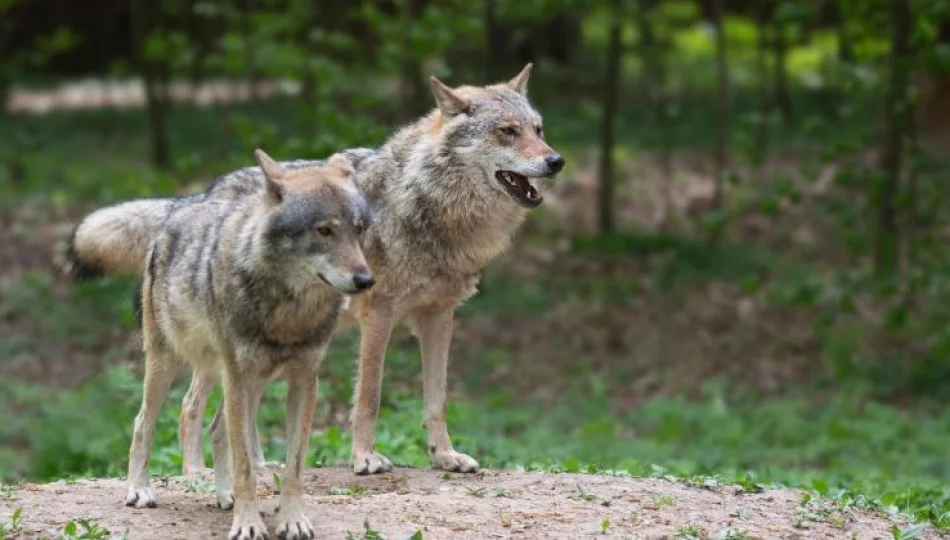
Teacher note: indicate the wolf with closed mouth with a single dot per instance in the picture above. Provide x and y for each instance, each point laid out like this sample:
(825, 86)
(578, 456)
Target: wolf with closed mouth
(241, 288)
(449, 192)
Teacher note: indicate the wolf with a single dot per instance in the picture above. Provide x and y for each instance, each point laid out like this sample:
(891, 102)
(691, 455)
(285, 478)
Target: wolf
(241, 288)
(449, 192)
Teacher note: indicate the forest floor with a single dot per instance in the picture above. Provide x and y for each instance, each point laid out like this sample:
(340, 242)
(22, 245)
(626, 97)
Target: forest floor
(485, 505)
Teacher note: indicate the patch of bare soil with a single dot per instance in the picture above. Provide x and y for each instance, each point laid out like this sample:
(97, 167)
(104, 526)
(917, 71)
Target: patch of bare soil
(486, 505)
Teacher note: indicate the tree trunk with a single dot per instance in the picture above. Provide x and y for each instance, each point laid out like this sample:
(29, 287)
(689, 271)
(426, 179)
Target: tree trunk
(782, 95)
(897, 120)
(845, 47)
(250, 58)
(491, 44)
(654, 90)
(413, 85)
(762, 61)
(609, 111)
(723, 113)
(308, 86)
(155, 98)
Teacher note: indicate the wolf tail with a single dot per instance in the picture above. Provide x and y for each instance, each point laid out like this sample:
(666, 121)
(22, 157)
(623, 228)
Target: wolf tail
(116, 239)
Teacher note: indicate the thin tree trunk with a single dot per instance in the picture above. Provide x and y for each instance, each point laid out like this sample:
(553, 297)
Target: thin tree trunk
(609, 111)
(654, 94)
(897, 112)
(845, 47)
(413, 87)
(647, 53)
(762, 61)
(308, 86)
(156, 107)
(491, 44)
(250, 58)
(723, 112)
(782, 95)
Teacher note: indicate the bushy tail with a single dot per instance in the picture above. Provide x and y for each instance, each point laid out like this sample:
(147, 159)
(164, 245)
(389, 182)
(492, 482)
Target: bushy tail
(116, 239)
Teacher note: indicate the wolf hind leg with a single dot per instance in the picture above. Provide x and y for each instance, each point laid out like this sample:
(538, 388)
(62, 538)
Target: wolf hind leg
(161, 368)
(193, 408)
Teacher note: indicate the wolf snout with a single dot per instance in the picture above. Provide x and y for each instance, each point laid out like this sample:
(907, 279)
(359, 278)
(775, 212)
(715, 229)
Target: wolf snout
(554, 163)
(363, 280)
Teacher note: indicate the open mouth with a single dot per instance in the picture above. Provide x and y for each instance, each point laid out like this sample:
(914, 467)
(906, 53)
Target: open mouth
(519, 188)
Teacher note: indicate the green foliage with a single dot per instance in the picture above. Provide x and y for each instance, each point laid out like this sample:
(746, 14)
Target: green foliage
(11, 527)
(85, 529)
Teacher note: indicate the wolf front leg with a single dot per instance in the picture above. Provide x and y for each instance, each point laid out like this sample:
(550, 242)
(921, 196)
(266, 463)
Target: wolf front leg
(161, 367)
(247, 523)
(433, 328)
(292, 523)
(376, 327)
(189, 423)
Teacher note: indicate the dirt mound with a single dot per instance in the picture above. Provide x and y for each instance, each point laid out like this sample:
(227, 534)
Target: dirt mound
(486, 505)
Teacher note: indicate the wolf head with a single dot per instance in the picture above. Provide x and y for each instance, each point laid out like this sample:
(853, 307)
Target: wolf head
(315, 220)
(496, 129)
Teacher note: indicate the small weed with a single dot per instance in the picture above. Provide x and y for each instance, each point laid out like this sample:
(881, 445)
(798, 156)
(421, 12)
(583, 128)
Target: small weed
(690, 532)
(604, 526)
(85, 529)
(369, 533)
(661, 501)
(732, 534)
(277, 481)
(199, 485)
(349, 490)
(914, 531)
(478, 491)
(502, 493)
(416, 535)
(7, 492)
(581, 495)
(12, 527)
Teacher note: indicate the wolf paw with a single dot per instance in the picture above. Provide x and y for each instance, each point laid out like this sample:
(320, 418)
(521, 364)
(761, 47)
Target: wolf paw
(225, 499)
(294, 528)
(140, 497)
(371, 463)
(454, 462)
(248, 529)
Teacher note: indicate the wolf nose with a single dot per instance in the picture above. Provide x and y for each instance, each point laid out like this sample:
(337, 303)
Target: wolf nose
(555, 163)
(363, 281)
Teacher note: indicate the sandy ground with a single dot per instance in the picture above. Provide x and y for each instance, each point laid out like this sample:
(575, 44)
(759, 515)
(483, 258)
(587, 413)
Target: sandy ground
(485, 505)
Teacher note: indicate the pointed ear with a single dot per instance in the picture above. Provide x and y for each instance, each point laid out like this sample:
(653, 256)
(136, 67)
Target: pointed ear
(448, 100)
(520, 82)
(342, 163)
(273, 172)
(271, 168)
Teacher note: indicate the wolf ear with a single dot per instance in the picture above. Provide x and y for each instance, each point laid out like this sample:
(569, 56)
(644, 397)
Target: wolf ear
(342, 163)
(273, 173)
(520, 82)
(448, 100)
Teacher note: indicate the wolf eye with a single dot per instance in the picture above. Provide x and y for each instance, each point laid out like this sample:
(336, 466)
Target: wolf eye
(509, 131)
(324, 231)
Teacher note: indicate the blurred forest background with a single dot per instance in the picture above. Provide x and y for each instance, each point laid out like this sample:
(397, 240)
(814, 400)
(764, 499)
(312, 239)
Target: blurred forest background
(742, 275)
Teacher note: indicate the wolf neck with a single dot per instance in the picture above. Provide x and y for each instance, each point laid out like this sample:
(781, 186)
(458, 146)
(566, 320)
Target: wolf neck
(447, 204)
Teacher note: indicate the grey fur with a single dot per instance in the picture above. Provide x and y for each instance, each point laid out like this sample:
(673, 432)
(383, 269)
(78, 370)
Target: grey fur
(242, 287)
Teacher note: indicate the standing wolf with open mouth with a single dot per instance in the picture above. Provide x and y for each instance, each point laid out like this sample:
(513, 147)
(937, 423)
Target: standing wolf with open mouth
(449, 192)
(242, 288)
